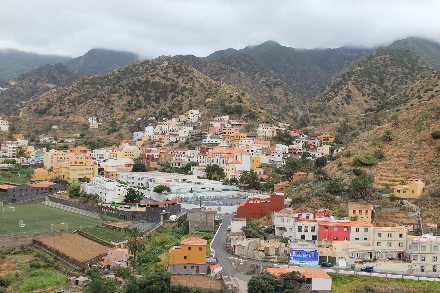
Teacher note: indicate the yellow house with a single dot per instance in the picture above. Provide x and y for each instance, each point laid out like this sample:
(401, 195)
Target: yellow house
(363, 212)
(41, 174)
(255, 162)
(413, 189)
(76, 169)
(191, 251)
(239, 136)
(140, 141)
(326, 138)
(17, 136)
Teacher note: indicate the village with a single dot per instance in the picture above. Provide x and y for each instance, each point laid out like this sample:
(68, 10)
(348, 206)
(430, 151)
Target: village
(223, 182)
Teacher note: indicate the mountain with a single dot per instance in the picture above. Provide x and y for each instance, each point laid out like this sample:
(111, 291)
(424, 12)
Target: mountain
(304, 77)
(32, 84)
(333, 61)
(428, 51)
(369, 85)
(245, 72)
(161, 87)
(14, 63)
(98, 61)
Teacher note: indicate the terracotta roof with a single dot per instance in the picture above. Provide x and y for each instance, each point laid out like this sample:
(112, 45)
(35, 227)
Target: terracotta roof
(360, 223)
(216, 266)
(42, 184)
(194, 241)
(362, 206)
(106, 262)
(235, 162)
(307, 273)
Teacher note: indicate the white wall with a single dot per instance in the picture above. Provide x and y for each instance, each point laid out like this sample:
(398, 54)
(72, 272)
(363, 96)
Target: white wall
(321, 284)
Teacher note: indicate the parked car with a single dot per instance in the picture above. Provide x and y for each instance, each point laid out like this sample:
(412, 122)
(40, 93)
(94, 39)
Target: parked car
(229, 228)
(326, 264)
(367, 269)
(302, 263)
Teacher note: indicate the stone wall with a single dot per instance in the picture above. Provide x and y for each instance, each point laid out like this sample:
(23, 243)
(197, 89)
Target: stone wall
(152, 214)
(188, 269)
(200, 219)
(18, 240)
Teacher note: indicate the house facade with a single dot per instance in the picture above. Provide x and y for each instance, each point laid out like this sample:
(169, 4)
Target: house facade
(189, 258)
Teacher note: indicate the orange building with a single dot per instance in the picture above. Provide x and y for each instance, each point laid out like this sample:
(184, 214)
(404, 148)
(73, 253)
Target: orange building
(189, 258)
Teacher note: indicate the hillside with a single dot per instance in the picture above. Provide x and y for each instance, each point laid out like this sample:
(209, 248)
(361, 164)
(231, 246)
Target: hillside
(334, 60)
(243, 71)
(32, 84)
(428, 51)
(368, 86)
(404, 137)
(98, 61)
(161, 88)
(14, 63)
(304, 77)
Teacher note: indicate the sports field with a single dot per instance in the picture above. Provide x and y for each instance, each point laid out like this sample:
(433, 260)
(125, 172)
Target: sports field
(39, 218)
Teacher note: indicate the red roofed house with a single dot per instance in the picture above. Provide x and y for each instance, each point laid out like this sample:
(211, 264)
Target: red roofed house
(315, 280)
(260, 207)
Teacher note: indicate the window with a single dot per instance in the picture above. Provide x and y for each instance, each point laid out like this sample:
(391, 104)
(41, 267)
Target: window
(389, 244)
(189, 248)
(345, 229)
(300, 228)
(184, 257)
(335, 228)
(365, 229)
(360, 212)
(365, 238)
(379, 244)
(400, 244)
(390, 235)
(312, 229)
(434, 259)
(184, 267)
(422, 258)
(423, 247)
(435, 248)
(379, 234)
(336, 238)
(307, 216)
(306, 228)
(354, 212)
(200, 249)
(400, 235)
(192, 267)
(325, 228)
(282, 220)
(366, 212)
(357, 229)
(415, 257)
(288, 220)
(356, 239)
(415, 247)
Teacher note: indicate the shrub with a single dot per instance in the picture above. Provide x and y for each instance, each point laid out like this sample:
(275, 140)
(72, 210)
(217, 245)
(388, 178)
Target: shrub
(357, 171)
(364, 161)
(379, 154)
(435, 134)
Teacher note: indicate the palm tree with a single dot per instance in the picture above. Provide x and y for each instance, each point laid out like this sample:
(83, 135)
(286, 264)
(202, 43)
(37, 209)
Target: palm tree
(135, 243)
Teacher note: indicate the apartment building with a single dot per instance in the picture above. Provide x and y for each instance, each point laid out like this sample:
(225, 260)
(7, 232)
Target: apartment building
(425, 254)
(389, 241)
(77, 169)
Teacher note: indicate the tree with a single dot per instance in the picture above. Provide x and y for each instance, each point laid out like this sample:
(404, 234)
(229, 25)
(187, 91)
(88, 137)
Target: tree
(187, 168)
(214, 172)
(102, 286)
(334, 186)
(292, 166)
(133, 195)
(361, 187)
(139, 166)
(154, 282)
(161, 188)
(135, 244)
(74, 189)
(253, 229)
(321, 162)
(198, 290)
(84, 180)
(250, 180)
(263, 283)
(321, 174)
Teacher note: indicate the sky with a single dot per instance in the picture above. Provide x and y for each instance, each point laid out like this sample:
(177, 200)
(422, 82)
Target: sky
(201, 27)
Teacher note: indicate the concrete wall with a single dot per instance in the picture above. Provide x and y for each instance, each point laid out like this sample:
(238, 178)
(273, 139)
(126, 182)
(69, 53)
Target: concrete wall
(200, 219)
(188, 269)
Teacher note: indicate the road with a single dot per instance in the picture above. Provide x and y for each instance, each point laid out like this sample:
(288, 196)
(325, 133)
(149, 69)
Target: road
(218, 245)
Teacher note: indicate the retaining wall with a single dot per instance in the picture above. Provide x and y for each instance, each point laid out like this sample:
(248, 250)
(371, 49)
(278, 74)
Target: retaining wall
(27, 239)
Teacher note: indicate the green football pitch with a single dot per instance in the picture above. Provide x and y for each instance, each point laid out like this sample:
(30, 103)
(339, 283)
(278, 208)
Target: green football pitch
(40, 218)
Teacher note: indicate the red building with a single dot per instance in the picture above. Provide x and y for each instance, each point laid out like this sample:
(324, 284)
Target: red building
(322, 213)
(260, 207)
(334, 230)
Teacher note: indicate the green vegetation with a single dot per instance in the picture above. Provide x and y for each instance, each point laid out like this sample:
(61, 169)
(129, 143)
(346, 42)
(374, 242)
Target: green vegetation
(133, 195)
(106, 234)
(161, 188)
(364, 161)
(367, 284)
(16, 174)
(435, 134)
(41, 279)
(40, 218)
(253, 229)
(214, 172)
(268, 283)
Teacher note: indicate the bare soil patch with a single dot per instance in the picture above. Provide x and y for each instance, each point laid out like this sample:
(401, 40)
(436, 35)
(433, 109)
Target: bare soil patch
(196, 281)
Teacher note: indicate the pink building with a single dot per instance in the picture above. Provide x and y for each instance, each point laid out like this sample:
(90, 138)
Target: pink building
(119, 253)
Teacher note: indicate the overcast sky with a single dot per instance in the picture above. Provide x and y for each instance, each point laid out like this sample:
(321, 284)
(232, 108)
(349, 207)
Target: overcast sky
(200, 27)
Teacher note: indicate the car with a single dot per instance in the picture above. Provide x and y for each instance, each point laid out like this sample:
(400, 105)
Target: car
(368, 269)
(326, 264)
(229, 228)
(302, 263)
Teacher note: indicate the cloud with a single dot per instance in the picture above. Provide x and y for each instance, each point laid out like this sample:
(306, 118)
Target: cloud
(200, 27)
